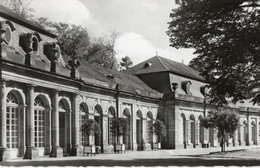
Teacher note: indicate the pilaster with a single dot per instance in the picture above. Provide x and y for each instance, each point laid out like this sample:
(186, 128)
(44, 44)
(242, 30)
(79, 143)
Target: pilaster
(31, 151)
(77, 150)
(57, 151)
(4, 154)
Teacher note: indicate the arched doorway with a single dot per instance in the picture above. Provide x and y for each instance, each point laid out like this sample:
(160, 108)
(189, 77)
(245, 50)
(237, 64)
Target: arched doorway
(127, 133)
(183, 132)
(111, 134)
(15, 123)
(149, 133)
(42, 124)
(192, 131)
(98, 117)
(139, 130)
(244, 132)
(253, 132)
(201, 132)
(64, 126)
(83, 116)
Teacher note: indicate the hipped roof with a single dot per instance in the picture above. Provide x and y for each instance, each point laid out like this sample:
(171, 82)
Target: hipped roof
(160, 64)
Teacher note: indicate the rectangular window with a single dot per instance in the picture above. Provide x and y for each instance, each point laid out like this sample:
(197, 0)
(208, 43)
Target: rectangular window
(11, 127)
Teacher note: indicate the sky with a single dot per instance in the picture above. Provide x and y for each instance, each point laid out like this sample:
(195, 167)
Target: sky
(141, 24)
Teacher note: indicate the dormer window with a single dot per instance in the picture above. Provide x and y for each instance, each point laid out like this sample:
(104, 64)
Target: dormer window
(185, 85)
(204, 90)
(7, 34)
(6, 28)
(35, 45)
(148, 64)
(110, 76)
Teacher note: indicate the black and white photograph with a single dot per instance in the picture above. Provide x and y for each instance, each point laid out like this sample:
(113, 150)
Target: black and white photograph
(129, 83)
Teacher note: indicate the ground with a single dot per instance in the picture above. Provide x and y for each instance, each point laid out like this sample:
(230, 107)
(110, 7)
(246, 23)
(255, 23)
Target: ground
(247, 156)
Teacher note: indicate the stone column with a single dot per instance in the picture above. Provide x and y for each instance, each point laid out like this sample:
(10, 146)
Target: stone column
(57, 151)
(77, 149)
(144, 142)
(134, 131)
(196, 133)
(257, 131)
(248, 142)
(206, 137)
(3, 150)
(48, 131)
(22, 122)
(31, 151)
(235, 138)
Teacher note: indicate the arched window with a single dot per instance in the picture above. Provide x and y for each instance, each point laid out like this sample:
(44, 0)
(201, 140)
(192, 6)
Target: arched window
(183, 128)
(83, 115)
(12, 119)
(139, 129)
(245, 130)
(192, 129)
(111, 136)
(149, 124)
(253, 133)
(39, 123)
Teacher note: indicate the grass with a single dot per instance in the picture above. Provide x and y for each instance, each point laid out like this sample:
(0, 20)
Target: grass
(243, 153)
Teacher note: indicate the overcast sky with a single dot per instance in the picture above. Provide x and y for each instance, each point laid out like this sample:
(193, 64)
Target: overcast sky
(141, 24)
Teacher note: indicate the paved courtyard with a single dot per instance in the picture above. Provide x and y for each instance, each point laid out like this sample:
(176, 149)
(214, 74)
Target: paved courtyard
(192, 157)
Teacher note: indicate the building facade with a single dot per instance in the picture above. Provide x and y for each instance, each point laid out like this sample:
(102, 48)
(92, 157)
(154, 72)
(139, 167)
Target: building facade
(46, 98)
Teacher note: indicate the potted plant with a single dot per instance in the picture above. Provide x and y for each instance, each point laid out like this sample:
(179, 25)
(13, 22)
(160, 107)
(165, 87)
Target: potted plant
(159, 129)
(120, 127)
(90, 128)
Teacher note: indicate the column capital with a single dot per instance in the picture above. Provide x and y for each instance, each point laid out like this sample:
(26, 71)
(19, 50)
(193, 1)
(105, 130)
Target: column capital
(3, 83)
(30, 86)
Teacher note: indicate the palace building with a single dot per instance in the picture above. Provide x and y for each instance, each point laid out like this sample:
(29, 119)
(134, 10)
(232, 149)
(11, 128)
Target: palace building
(45, 99)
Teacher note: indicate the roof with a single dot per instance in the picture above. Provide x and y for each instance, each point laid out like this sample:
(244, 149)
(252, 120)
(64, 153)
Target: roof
(160, 64)
(8, 14)
(113, 79)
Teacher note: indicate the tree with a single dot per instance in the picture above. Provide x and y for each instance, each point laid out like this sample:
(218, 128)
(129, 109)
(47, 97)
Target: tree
(22, 8)
(159, 129)
(226, 37)
(91, 128)
(126, 62)
(120, 127)
(225, 121)
(75, 42)
(101, 52)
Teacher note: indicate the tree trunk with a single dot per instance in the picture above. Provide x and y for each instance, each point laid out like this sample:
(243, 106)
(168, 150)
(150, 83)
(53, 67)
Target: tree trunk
(222, 144)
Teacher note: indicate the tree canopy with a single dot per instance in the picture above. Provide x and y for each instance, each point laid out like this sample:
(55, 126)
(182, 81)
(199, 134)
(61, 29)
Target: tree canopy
(159, 129)
(126, 62)
(225, 121)
(75, 42)
(226, 37)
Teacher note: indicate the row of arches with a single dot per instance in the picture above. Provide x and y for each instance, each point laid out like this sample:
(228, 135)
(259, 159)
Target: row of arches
(191, 133)
(16, 135)
(112, 139)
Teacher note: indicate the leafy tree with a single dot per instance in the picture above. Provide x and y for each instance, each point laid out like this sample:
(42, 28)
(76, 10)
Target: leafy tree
(126, 62)
(225, 121)
(159, 129)
(91, 127)
(226, 37)
(102, 53)
(76, 42)
(120, 126)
